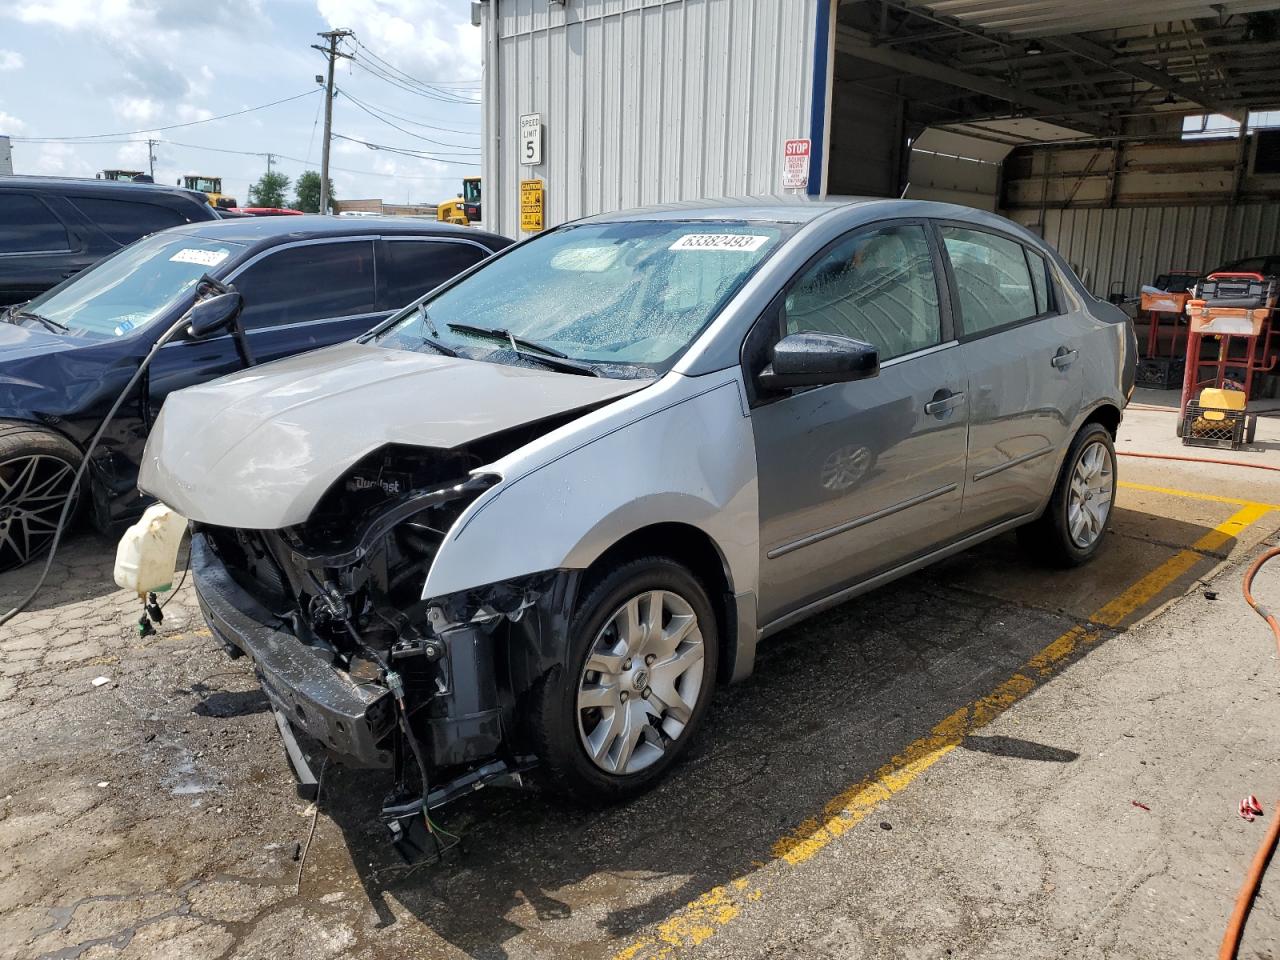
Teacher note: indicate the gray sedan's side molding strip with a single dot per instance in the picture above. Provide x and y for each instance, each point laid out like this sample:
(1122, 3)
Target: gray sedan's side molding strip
(992, 471)
(821, 535)
(879, 580)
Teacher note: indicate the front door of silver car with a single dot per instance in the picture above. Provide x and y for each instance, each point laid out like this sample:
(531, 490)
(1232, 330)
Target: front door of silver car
(859, 477)
(1022, 354)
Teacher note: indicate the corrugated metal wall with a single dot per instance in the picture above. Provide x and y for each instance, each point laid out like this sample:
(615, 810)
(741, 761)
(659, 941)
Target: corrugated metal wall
(643, 101)
(1130, 246)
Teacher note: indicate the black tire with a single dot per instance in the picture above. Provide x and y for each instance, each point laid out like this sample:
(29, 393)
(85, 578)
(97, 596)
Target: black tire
(554, 710)
(27, 523)
(1251, 429)
(1048, 539)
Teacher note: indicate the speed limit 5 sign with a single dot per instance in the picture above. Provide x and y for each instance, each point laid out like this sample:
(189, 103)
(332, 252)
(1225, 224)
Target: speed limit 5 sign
(531, 139)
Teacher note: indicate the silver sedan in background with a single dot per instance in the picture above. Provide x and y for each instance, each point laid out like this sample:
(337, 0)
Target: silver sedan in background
(533, 518)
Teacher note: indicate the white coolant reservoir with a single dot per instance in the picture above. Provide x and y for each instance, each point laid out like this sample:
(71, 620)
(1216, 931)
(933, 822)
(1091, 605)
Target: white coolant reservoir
(148, 551)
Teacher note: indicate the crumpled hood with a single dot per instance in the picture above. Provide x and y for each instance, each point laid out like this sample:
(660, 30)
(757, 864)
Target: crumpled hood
(18, 342)
(258, 449)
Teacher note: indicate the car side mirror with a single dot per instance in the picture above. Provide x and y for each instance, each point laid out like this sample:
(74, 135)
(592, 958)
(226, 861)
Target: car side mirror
(213, 314)
(816, 359)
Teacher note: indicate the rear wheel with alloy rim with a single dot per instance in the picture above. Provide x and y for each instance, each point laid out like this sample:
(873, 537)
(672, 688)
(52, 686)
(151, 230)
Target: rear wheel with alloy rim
(640, 668)
(37, 472)
(1074, 523)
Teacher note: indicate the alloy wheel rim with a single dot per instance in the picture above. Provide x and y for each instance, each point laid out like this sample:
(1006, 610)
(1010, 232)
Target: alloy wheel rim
(641, 682)
(1089, 500)
(32, 491)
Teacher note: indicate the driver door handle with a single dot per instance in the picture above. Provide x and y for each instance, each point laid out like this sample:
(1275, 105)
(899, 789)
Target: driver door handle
(1064, 357)
(943, 401)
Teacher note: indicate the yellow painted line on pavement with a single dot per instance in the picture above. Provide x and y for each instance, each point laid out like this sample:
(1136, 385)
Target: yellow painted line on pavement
(1194, 495)
(701, 919)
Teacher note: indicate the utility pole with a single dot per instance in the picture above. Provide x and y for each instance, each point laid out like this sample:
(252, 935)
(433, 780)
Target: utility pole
(332, 53)
(151, 157)
(268, 164)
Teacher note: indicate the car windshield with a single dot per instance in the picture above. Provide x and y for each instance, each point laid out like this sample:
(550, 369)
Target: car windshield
(626, 298)
(133, 286)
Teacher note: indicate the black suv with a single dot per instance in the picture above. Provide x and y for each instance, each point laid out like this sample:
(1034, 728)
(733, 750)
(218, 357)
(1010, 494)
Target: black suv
(54, 227)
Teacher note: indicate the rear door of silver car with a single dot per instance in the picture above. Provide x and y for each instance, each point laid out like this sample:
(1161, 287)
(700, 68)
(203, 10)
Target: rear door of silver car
(1023, 356)
(855, 478)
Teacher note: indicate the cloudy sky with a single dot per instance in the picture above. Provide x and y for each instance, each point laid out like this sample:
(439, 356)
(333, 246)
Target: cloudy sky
(74, 68)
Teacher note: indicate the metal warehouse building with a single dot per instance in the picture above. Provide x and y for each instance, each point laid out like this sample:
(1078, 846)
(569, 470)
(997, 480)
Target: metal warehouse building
(1115, 129)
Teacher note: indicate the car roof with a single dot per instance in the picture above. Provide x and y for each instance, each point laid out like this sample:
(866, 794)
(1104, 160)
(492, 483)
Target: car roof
(776, 208)
(88, 185)
(269, 231)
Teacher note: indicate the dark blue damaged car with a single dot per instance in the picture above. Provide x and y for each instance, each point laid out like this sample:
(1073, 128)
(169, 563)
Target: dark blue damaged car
(305, 282)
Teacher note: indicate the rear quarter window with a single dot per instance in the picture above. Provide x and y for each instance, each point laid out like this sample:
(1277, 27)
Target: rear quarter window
(993, 279)
(409, 268)
(124, 221)
(28, 226)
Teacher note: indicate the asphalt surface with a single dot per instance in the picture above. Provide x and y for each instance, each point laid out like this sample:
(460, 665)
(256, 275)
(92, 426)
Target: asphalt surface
(986, 760)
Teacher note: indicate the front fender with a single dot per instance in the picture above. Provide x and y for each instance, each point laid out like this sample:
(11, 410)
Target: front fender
(684, 453)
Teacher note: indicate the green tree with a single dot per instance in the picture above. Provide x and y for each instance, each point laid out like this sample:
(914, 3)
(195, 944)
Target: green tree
(308, 190)
(269, 191)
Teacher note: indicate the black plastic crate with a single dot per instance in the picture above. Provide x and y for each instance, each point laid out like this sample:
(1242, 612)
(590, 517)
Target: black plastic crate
(1162, 373)
(1226, 429)
(1236, 292)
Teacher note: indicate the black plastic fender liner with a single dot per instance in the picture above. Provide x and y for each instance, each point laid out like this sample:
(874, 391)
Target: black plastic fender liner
(471, 728)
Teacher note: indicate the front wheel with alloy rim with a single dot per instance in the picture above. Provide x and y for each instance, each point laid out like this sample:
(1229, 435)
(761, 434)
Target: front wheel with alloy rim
(641, 665)
(1074, 523)
(37, 472)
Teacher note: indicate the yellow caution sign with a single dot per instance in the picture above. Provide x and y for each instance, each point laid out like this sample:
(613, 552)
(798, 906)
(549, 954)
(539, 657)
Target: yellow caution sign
(531, 204)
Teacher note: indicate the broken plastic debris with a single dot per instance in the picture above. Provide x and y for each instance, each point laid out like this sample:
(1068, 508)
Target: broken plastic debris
(99, 681)
(103, 784)
(1250, 807)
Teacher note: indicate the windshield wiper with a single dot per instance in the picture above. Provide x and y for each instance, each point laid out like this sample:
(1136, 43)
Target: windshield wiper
(435, 344)
(49, 324)
(548, 356)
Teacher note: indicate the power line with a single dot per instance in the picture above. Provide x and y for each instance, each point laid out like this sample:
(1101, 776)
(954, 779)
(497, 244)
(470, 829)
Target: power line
(172, 126)
(304, 162)
(408, 152)
(410, 88)
(409, 120)
(437, 86)
(410, 133)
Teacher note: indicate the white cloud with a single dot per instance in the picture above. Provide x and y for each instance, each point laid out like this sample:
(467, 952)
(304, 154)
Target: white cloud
(59, 159)
(136, 109)
(421, 37)
(151, 39)
(11, 60)
(189, 111)
(11, 125)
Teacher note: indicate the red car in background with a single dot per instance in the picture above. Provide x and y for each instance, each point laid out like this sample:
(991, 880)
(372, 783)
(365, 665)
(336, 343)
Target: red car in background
(266, 211)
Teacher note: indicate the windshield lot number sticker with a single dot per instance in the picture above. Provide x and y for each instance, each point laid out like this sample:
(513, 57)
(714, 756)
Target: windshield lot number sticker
(205, 258)
(719, 241)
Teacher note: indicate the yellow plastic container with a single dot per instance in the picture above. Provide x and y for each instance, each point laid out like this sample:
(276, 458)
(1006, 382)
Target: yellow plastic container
(1217, 398)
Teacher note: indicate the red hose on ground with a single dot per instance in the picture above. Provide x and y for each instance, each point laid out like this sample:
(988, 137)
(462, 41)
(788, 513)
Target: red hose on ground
(1227, 463)
(1253, 879)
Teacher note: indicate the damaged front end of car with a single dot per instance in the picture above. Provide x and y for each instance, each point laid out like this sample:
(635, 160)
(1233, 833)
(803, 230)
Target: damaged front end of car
(348, 651)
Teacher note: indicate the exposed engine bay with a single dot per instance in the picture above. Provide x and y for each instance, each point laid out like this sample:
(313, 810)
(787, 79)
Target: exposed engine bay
(331, 611)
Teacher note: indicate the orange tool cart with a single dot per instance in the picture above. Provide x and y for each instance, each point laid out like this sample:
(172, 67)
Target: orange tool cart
(1233, 310)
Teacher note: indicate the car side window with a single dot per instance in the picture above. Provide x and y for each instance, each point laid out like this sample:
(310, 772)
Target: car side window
(875, 285)
(124, 221)
(992, 279)
(1039, 280)
(409, 268)
(314, 281)
(28, 226)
